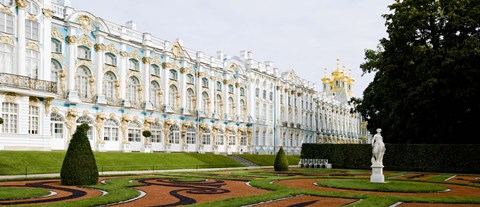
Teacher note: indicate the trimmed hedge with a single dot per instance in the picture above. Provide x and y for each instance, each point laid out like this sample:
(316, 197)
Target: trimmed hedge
(453, 158)
(281, 162)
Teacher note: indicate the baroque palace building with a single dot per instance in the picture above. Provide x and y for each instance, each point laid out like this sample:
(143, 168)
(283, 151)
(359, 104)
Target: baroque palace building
(60, 68)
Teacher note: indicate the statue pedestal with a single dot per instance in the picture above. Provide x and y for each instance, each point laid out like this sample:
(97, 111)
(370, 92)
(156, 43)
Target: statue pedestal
(377, 174)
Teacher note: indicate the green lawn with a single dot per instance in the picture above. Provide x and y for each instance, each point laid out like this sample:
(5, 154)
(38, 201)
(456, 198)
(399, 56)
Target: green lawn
(268, 160)
(8, 193)
(389, 186)
(36, 162)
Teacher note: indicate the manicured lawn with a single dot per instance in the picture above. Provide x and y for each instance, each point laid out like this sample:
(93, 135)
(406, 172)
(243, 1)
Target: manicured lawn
(268, 160)
(389, 186)
(9, 193)
(36, 162)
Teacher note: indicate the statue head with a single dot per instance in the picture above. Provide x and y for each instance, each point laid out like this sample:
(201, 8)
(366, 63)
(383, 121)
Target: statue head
(379, 130)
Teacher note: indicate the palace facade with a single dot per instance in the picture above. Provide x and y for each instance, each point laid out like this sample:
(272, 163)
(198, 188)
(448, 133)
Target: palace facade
(60, 67)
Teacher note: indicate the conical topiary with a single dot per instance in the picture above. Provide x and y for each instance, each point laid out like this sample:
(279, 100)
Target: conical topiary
(79, 165)
(281, 162)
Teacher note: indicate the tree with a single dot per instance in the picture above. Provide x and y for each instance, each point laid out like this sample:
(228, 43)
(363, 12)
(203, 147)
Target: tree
(79, 165)
(281, 162)
(426, 85)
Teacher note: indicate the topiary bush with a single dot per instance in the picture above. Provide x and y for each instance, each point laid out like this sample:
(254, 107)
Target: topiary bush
(147, 133)
(281, 162)
(1, 120)
(79, 165)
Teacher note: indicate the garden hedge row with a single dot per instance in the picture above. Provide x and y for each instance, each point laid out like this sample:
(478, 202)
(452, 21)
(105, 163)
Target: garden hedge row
(457, 158)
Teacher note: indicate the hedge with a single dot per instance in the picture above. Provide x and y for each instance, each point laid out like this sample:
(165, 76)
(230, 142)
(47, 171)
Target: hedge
(442, 158)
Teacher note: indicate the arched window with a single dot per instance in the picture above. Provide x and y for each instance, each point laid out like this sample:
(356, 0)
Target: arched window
(257, 92)
(156, 130)
(88, 120)
(191, 134)
(204, 82)
(218, 103)
(206, 137)
(243, 139)
(32, 8)
(155, 70)
(7, 3)
(55, 73)
(190, 79)
(189, 102)
(31, 30)
(205, 102)
(110, 130)
(132, 93)
(230, 88)
(56, 46)
(154, 87)
(6, 23)
(242, 92)
(109, 80)
(219, 86)
(172, 96)
(33, 63)
(10, 117)
(110, 59)
(83, 53)
(133, 64)
(242, 108)
(82, 77)
(174, 135)
(56, 125)
(232, 105)
(219, 140)
(173, 75)
(232, 139)
(134, 131)
(6, 57)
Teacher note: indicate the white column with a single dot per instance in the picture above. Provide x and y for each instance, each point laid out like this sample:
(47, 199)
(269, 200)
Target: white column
(146, 81)
(166, 87)
(72, 94)
(212, 95)
(123, 74)
(183, 88)
(198, 88)
(21, 40)
(47, 36)
(251, 98)
(99, 48)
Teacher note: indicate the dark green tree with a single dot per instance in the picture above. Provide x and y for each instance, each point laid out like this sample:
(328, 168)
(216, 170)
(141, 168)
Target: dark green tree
(79, 166)
(427, 75)
(281, 161)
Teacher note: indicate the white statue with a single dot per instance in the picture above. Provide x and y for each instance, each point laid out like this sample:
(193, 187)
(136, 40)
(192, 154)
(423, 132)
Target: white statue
(378, 148)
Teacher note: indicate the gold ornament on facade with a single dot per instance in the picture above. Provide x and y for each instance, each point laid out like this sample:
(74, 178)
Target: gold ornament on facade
(146, 60)
(85, 40)
(99, 47)
(6, 40)
(56, 34)
(99, 121)
(165, 65)
(6, 10)
(176, 50)
(21, 4)
(111, 48)
(134, 54)
(47, 13)
(11, 97)
(123, 53)
(155, 60)
(85, 23)
(55, 110)
(33, 46)
(72, 39)
(33, 101)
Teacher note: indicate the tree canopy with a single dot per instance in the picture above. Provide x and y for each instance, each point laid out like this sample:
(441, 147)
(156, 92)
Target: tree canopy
(427, 75)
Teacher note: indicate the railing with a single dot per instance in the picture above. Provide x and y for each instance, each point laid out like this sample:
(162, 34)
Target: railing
(115, 29)
(27, 83)
(58, 11)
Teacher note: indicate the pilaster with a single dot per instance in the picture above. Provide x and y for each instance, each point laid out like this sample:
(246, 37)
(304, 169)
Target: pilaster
(21, 40)
(72, 94)
(100, 49)
(146, 81)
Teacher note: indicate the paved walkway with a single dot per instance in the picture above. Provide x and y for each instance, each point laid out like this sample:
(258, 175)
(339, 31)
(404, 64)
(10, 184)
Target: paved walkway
(56, 175)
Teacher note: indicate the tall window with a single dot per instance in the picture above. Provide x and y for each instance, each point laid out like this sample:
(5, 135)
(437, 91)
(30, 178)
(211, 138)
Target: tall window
(257, 92)
(172, 96)
(191, 134)
(219, 140)
(155, 70)
(88, 120)
(173, 75)
(243, 139)
(190, 103)
(132, 93)
(110, 130)
(204, 82)
(133, 64)
(110, 59)
(83, 53)
(232, 139)
(206, 136)
(190, 79)
(219, 86)
(6, 58)
(174, 135)
(56, 125)
(32, 120)
(242, 107)
(257, 110)
(205, 102)
(218, 104)
(10, 117)
(230, 89)
(156, 130)
(134, 132)
(56, 46)
(257, 138)
(231, 105)
(31, 30)
(109, 87)
(56, 69)
(6, 23)
(242, 92)
(32, 8)
(154, 87)
(33, 63)
(82, 79)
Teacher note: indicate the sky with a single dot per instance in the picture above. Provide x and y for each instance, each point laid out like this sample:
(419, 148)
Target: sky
(304, 35)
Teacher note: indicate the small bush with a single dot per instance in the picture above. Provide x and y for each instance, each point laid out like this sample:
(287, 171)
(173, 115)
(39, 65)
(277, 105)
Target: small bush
(147, 133)
(281, 162)
(79, 166)
(1, 120)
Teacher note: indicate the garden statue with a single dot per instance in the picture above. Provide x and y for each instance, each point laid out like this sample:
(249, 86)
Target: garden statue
(378, 150)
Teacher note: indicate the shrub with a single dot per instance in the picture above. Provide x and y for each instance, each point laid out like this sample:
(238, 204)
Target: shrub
(147, 133)
(1, 120)
(79, 165)
(281, 162)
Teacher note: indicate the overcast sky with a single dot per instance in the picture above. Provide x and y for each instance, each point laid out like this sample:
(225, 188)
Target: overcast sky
(304, 35)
